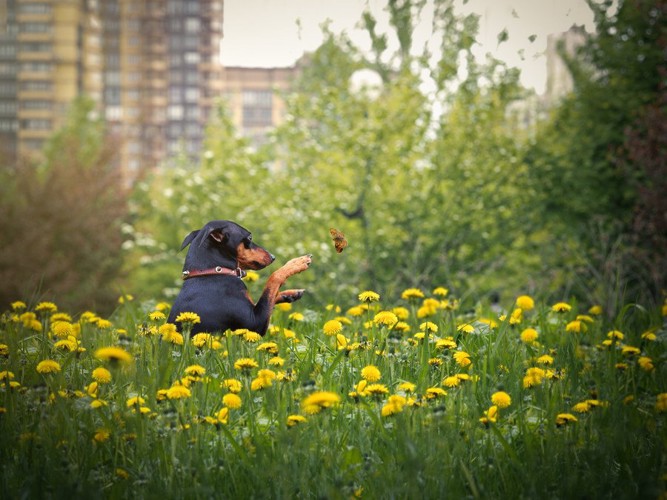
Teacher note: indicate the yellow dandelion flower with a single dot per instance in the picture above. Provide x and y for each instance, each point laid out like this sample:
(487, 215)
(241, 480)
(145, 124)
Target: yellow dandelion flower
(407, 387)
(545, 359)
(561, 307)
(501, 399)
(645, 363)
(269, 347)
(428, 326)
(62, 329)
(103, 324)
(188, 317)
(393, 406)
(371, 373)
(628, 350)
(386, 318)
(355, 311)
(412, 293)
(491, 323)
(293, 420)
(369, 296)
(195, 370)
(490, 416)
(223, 415)
(525, 302)
(402, 313)
(251, 276)
(576, 326)
(446, 343)
(563, 419)
(661, 402)
(376, 389)
(157, 316)
(332, 327)
(649, 335)
(435, 392)
(178, 392)
(276, 361)
(101, 435)
(533, 377)
(341, 341)
(203, 339)
(284, 306)
(462, 358)
(114, 355)
(69, 345)
(296, 316)
(98, 403)
(6, 375)
(18, 305)
(435, 362)
(615, 335)
(595, 310)
(465, 328)
(252, 337)
(232, 385)
(101, 375)
(135, 401)
(441, 291)
(46, 306)
(529, 335)
(319, 400)
(582, 407)
(451, 381)
(232, 401)
(245, 364)
(48, 366)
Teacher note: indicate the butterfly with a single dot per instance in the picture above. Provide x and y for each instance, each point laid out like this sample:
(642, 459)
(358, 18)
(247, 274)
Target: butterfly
(339, 239)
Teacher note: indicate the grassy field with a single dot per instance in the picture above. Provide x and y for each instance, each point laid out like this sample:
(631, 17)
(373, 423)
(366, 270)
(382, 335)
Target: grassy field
(414, 398)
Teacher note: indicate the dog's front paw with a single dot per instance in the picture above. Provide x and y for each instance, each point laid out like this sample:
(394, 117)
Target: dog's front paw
(290, 296)
(297, 265)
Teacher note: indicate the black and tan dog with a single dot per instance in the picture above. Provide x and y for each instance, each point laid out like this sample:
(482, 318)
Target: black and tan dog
(217, 259)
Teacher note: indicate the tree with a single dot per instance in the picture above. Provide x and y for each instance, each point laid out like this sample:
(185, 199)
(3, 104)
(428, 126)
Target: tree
(588, 157)
(62, 219)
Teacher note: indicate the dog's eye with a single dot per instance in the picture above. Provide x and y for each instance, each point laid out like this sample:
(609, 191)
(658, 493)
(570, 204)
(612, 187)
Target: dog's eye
(248, 241)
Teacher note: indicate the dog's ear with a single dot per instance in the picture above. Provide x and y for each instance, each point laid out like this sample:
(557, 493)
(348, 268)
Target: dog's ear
(188, 239)
(217, 233)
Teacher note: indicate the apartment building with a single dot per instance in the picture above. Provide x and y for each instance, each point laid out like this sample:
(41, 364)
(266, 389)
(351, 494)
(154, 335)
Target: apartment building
(152, 66)
(50, 52)
(254, 97)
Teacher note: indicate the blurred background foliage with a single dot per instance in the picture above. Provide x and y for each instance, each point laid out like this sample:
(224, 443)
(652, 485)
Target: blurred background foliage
(428, 174)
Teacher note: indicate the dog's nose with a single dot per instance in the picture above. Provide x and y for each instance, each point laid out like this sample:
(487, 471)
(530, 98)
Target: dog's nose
(272, 257)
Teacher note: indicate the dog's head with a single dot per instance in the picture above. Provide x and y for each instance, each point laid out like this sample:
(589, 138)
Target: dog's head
(224, 243)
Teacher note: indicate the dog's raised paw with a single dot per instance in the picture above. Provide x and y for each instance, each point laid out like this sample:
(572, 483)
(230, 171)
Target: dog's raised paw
(290, 296)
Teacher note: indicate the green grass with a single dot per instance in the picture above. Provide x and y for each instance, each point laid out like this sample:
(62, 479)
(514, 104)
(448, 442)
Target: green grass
(54, 443)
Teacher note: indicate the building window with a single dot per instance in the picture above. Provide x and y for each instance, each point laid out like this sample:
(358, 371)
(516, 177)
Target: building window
(7, 107)
(175, 112)
(7, 68)
(192, 25)
(36, 104)
(192, 58)
(34, 8)
(34, 28)
(7, 88)
(257, 108)
(113, 112)
(36, 85)
(36, 124)
(35, 47)
(37, 67)
(191, 94)
(7, 49)
(8, 125)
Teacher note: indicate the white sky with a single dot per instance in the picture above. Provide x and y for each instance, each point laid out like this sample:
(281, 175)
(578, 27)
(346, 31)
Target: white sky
(275, 33)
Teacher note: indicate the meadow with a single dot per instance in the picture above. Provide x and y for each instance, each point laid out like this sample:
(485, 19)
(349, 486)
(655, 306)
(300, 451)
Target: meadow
(417, 396)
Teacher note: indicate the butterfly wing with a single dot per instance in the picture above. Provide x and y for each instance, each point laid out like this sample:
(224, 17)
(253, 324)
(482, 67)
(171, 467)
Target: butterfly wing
(339, 239)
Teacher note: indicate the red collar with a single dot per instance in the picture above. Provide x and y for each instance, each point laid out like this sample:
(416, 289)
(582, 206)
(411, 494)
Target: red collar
(238, 272)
